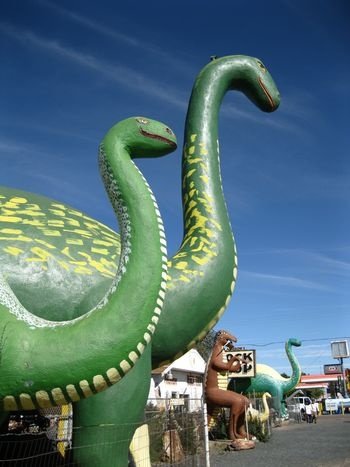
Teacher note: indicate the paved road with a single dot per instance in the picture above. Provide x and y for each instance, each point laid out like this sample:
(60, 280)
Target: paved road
(325, 444)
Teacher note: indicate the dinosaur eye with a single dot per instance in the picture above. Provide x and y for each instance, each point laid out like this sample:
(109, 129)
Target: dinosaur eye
(144, 121)
(169, 131)
(262, 66)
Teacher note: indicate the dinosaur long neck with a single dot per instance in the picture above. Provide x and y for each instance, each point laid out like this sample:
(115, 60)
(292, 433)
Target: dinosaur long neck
(202, 273)
(265, 404)
(46, 363)
(291, 382)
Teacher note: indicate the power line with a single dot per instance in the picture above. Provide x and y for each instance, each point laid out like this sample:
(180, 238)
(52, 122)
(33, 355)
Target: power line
(302, 340)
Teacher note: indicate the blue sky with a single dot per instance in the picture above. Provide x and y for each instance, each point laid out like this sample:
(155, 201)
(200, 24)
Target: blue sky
(71, 69)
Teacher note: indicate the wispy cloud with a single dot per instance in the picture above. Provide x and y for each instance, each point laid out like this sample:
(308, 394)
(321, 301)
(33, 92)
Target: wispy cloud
(319, 261)
(234, 112)
(288, 281)
(121, 74)
(118, 36)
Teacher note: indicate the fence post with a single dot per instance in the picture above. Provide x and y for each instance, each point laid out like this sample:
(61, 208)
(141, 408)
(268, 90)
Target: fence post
(206, 434)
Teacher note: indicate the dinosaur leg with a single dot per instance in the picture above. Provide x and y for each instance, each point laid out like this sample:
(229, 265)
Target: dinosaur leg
(238, 409)
(105, 423)
(223, 398)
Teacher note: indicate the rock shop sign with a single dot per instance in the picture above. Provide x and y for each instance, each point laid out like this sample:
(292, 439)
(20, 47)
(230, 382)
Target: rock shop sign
(247, 358)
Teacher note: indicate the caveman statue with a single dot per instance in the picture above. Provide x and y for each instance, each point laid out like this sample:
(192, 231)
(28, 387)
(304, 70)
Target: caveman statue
(215, 396)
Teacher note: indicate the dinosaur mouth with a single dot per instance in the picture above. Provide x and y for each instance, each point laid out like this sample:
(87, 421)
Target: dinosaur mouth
(158, 137)
(268, 95)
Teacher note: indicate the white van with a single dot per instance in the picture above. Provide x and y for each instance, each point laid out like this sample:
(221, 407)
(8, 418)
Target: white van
(302, 402)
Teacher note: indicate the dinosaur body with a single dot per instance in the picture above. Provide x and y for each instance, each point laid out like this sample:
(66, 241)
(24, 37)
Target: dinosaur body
(202, 274)
(267, 379)
(46, 363)
(256, 414)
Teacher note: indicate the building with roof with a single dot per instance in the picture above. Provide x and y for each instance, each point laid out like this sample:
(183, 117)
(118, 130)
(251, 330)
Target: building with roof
(320, 381)
(180, 383)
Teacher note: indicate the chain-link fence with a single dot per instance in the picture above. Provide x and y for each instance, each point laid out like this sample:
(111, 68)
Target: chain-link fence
(173, 435)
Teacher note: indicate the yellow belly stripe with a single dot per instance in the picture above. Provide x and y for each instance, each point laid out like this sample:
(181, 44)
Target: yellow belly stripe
(100, 383)
(72, 393)
(43, 399)
(113, 375)
(10, 403)
(84, 386)
(26, 402)
(58, 396)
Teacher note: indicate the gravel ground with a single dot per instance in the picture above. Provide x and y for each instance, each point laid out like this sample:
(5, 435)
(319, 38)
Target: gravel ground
(324, 444)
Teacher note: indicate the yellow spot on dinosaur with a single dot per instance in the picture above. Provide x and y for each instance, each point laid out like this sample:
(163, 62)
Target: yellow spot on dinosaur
(63, 265)
(58, 212)
(74, 241)
(11, 231)
(73, 222)
(194, 160)
(41, 255)
(205, 178)
(203, 150)
(191, 149)
(102, 242)
(75, 213)
(193, 138)
(48, 245)
(181, 265)
(59, 206)
(96, 265)
(34, 222)
(51, 233)
(10, 205)
(100, 251)
(84, 233)
(30, 212)
(10, 219)
(200, 261)
(34, 207)
(12, 250)
(20, 238)
(83, 270)
(184, 278)
(55, 223)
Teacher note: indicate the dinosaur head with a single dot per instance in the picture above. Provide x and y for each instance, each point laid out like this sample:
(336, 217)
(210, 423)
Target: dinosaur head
(224, 338)
(294, 341)
(150, 137)
(260, 88)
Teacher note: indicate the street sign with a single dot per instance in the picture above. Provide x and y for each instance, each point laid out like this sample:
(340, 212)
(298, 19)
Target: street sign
(332, 369)
(340, 349)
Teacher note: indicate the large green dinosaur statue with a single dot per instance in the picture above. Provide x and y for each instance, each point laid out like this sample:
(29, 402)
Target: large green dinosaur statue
(267, 379)
(46, 363)
(201, 274)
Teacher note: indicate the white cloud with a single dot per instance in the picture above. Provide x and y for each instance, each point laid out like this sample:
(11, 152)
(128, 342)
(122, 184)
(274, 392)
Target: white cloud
(116, 35)
(121, 74)
(288, 281)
